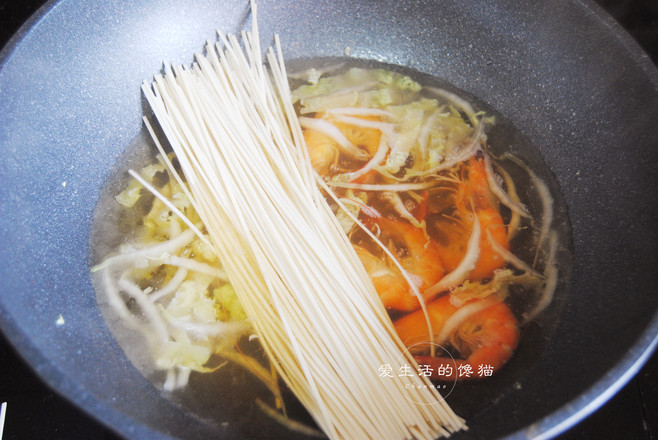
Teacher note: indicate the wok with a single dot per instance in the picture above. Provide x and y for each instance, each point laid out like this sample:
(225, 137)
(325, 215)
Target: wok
(561, 72)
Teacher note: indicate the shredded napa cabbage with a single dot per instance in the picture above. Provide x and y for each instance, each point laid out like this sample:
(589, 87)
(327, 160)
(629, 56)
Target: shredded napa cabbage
(129, 196)
(190, 301)
(426, 131)
(498, 285)
(227, 306)
(355, 88)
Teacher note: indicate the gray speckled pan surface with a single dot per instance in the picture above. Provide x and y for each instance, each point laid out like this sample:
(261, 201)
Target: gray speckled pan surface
(563, 73)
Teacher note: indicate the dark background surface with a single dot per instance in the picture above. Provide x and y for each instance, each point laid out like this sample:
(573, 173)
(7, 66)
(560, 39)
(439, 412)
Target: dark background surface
(35, 412)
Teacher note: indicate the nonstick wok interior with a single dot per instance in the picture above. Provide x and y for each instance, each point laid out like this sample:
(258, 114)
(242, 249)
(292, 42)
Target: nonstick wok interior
(577, 88)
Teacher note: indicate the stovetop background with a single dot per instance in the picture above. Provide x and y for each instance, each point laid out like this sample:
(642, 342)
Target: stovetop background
(35, 412)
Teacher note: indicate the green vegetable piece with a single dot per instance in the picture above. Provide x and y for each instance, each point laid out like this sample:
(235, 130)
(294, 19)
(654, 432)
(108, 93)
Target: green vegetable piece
(227, 305)
(129, 196)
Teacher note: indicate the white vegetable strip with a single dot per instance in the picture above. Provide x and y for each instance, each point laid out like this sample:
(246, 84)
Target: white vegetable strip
(196, 266)
(150, 312)
(3, 412)
(170, 383)
(327, 128)
(504, 198)
(177, 377)
(461, 315)
(396, 202)
(424, 134)
(546, 203)
(511, 258)
(171, 286)
(367, 209)
(450, 162)
(515, 219)
(385, 127)
(376, 160)
(464, 267)
(551, 274)
(458, 101)
(142, 256)
(183, 376)
(115, 301)
(400, 187)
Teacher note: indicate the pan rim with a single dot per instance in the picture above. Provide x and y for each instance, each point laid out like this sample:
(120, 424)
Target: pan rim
(553, 424)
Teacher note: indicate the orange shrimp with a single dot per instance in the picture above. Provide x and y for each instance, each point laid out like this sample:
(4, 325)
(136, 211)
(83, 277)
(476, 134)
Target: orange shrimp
(363, 137)
(419, 257)
(485, 339)
(324, 151)
(473, 197)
